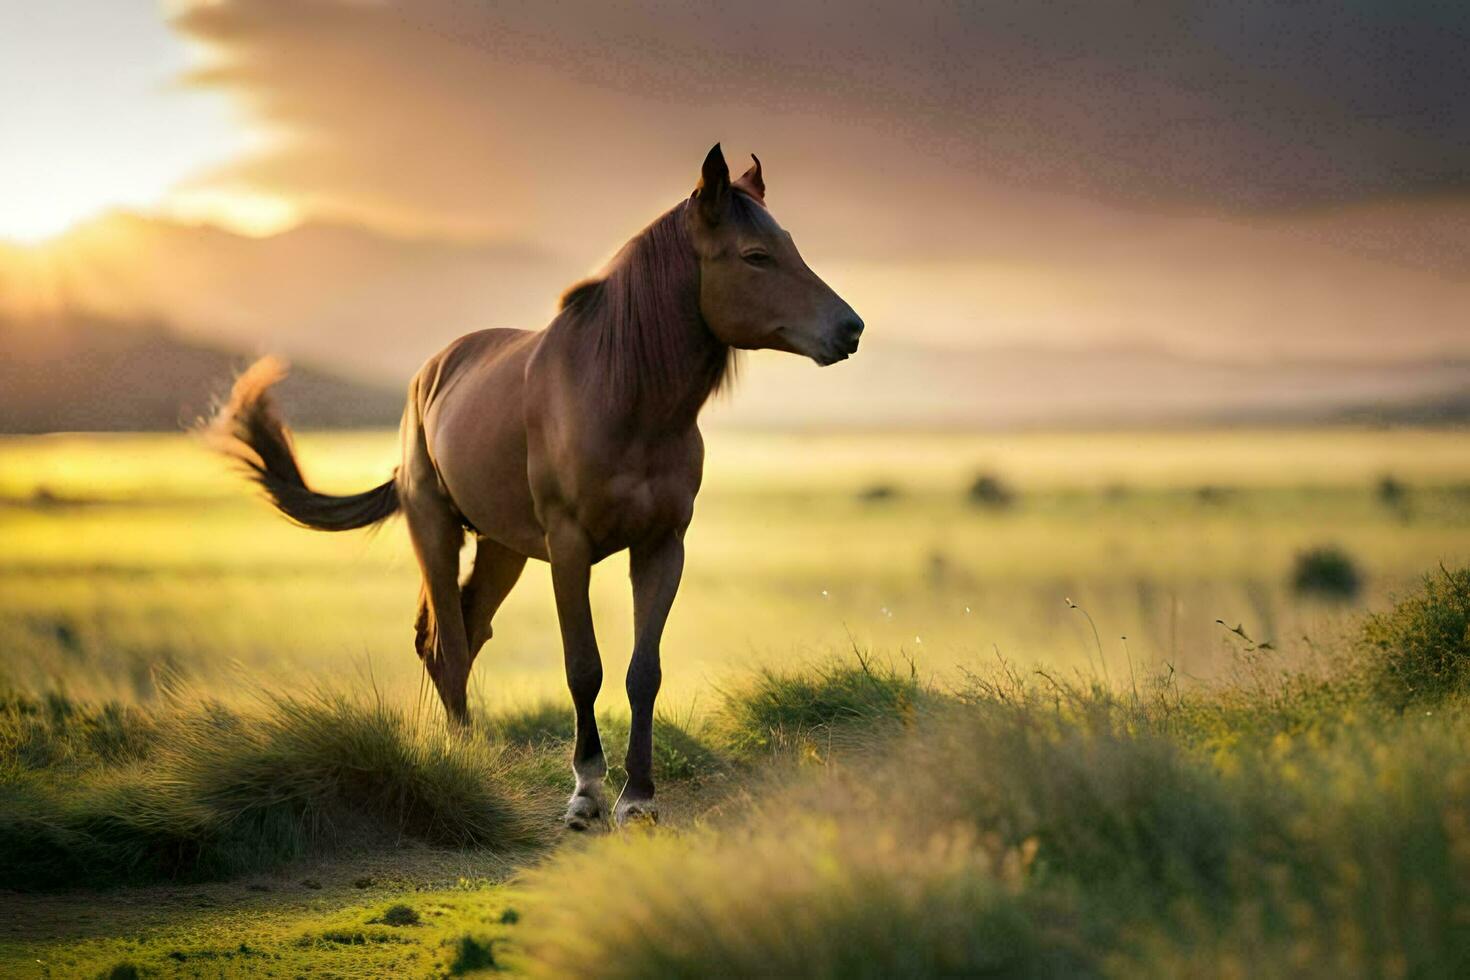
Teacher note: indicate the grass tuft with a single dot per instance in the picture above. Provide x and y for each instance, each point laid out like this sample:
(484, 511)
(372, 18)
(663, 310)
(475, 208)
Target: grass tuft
(212, 793)
(804, 711)
(804, 902)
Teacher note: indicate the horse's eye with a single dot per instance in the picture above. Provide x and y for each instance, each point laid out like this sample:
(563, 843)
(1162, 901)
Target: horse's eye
(756, 258)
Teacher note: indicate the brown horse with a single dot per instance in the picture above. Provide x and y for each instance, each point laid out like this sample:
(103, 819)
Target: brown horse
(572, 443)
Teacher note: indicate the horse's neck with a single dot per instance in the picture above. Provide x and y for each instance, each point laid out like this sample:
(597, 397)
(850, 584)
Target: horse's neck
(659, 367)
(668, 392)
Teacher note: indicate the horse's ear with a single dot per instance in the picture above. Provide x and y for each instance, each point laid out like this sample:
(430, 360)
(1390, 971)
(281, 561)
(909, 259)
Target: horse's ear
(751, 183)
(713, 192)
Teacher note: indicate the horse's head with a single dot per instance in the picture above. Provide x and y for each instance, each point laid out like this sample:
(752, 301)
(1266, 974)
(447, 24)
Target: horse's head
(755, 292)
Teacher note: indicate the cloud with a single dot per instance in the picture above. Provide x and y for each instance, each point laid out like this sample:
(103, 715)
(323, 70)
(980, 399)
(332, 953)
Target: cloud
(1244, 182)
(506, 118)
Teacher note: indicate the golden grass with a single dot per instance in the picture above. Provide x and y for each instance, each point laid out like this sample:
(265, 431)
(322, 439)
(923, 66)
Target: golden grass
(124, 556)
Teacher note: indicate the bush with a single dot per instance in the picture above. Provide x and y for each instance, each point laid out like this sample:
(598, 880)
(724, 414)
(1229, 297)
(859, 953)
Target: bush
(1391, 491)
(1419, 652)
(399, 915)
(1326, 573)
(878, 493)
(472, 955)
(989, 490)
(1211, 494)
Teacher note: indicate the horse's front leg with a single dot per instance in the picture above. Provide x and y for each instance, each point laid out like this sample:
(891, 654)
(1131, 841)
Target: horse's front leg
(656, 569)
(571, 571)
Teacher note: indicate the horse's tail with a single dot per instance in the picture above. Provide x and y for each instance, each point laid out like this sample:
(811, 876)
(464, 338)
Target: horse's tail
(249, 428)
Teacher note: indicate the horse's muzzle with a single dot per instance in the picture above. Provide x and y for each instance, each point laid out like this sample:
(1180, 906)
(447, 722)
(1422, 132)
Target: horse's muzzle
(842, 342)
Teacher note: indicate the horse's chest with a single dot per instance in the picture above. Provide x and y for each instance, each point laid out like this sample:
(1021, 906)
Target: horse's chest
(627, 508)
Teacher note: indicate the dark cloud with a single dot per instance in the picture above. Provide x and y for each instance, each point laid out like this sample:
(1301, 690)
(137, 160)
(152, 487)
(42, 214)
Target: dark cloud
(1246, 180)
(454, 107)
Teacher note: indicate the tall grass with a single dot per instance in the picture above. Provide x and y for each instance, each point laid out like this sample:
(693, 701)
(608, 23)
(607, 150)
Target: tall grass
(793, 711)
(807, 902)
(107, 796)
(1031, 826)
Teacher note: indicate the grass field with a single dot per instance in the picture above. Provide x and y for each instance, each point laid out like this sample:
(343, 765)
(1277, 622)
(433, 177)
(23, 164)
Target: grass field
(121, 557)
(218, 758)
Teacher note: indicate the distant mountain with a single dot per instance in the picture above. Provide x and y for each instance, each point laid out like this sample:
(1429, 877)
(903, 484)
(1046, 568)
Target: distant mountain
(373, 305)
(913, 386)
(78, 372)
(360, 301)
(1451, 408)
(83, 372)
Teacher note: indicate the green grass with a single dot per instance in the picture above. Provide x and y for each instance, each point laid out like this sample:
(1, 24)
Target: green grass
(1255, 781)
(1040, 827)
(804, 711)
(112, 796)
(151, 560)
(464, 928)
(1017, 823)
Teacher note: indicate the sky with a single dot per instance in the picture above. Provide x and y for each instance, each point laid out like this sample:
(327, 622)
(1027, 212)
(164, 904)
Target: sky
(94, 115)
(1253, 180)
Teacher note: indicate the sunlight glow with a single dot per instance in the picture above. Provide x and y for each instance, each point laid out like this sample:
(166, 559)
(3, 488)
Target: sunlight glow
(54, 199)
(239, 210)
(94, 120)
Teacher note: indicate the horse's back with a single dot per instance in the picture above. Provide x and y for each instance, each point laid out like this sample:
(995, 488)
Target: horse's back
(464, 355)
(471, 400)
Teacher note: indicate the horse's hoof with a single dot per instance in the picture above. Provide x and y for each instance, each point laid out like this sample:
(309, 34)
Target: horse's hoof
(583, 813)
(635, 812)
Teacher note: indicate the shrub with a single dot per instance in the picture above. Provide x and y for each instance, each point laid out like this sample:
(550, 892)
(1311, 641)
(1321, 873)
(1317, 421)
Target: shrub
(1326, 573)
(470, 955)
(399, 915)
(1419, 652)
(1391, 491)
(989, 490)
(1211, 494)
(878, 493)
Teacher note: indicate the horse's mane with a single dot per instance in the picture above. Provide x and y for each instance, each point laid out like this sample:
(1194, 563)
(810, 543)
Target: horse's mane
(650, 340)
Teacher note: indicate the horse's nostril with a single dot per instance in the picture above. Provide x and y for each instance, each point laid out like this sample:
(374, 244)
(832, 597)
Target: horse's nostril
(852, 328)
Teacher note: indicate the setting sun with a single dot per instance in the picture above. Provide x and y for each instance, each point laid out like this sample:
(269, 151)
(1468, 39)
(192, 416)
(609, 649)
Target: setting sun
(59, 198)
(97, 121)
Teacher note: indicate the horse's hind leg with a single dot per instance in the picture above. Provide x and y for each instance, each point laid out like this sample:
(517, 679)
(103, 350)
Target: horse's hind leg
(496, 571)
(438, 535)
